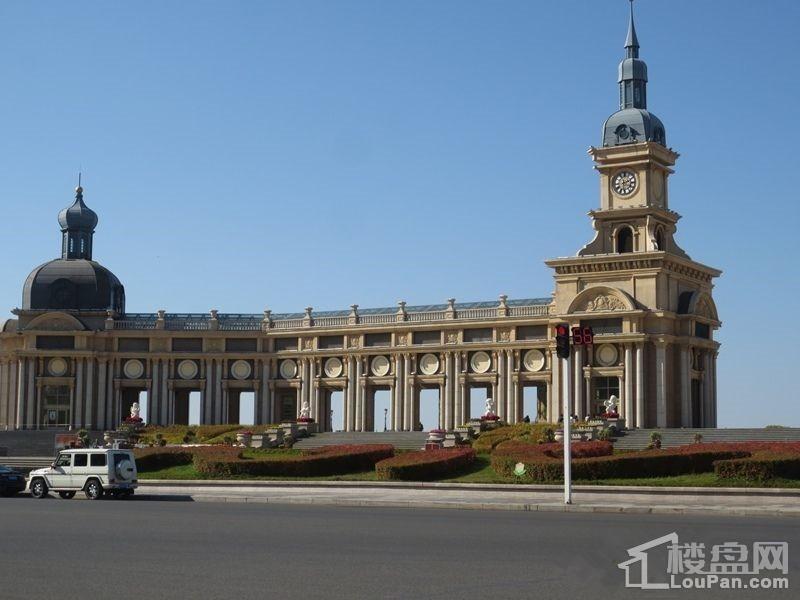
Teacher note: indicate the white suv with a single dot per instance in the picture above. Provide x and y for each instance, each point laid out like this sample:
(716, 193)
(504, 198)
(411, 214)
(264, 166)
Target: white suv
(96, 471)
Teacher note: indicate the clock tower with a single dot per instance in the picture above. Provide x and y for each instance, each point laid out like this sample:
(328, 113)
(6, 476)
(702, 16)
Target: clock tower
(649, 301)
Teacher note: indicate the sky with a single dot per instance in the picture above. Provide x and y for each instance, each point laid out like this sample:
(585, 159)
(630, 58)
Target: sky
(245, 155)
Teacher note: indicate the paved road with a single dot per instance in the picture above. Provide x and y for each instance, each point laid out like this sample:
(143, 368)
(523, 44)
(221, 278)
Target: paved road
(116, 549)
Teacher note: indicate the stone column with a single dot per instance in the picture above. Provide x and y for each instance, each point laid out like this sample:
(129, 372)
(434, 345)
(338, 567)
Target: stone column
(686, 387)
(661, 384)
(707, 387)
(500, 392)
(30, 393)
(408, 395)
(458, 408)
(313, 401)
(554, 388)
(629, 377)
(577, 398)
(713, 422)
(449, 369)
(511, 394)
(587, 383)
(218, 397)
(350, 395)
(90, 379)
(398, 393)
(442, 402)
(77, 417)
(640, 416)
(102, 369)
(359, 392)
(4, 420)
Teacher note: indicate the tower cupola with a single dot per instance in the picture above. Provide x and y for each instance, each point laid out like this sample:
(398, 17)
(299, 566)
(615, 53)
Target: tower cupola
(78, 223)
(632, 123)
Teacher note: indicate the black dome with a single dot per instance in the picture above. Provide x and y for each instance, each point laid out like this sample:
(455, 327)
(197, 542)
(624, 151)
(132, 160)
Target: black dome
(73, 284)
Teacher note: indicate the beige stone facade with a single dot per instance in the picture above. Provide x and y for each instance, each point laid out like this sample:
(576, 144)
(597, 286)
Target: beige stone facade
(649, 304)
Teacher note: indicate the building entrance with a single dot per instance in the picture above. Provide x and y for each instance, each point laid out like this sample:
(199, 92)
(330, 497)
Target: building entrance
(55, 406)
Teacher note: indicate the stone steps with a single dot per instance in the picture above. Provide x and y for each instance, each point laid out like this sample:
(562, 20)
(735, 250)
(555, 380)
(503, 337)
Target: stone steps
(637, 439)
(412, 440)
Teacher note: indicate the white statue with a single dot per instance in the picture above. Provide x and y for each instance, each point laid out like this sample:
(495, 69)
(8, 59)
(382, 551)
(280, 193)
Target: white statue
(489, 407)
(305, 410)
(611, 404)
(135, 410)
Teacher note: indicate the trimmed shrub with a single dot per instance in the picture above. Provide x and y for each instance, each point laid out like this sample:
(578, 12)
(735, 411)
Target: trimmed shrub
(546, 466)
(530, 432)
(425, 464)
(759, 468)
(334, 460)
(155, 459)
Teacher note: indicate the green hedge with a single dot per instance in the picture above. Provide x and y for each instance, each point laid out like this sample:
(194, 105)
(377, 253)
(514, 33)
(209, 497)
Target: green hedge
(335, 460)
(759, 468)
(425, 464)
(543, 468)
(155, 459)
(528, 432)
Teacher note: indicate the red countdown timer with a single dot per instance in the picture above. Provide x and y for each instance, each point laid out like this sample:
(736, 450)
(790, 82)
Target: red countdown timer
(582, 336)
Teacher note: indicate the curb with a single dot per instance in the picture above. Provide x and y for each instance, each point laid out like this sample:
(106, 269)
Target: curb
(482, 487)
(505, 506)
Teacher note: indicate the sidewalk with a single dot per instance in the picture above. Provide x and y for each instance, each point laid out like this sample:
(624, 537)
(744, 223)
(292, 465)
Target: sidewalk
(596, 499)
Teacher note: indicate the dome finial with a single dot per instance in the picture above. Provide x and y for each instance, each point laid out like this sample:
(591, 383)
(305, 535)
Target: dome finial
(632, 42)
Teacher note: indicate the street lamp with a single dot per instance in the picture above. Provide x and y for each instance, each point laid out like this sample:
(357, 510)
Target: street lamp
(385, 415)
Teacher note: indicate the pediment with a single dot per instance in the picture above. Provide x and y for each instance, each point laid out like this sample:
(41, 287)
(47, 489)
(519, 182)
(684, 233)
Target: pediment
(601, 298)
(56, 321)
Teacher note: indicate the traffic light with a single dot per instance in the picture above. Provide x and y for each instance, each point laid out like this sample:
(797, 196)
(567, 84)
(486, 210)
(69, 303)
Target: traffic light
(562, 340)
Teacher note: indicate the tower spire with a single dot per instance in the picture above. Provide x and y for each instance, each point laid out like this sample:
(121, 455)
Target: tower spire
(631, 42)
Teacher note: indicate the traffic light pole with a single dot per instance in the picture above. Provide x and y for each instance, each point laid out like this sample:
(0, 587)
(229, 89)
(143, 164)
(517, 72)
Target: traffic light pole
(566, 368)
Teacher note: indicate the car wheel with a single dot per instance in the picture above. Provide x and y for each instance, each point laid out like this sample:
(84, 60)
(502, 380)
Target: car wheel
(93, 489)
(127, 493)
(67, 495)
(38, 488)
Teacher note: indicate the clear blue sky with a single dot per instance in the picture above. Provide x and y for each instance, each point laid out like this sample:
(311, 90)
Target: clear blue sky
(245, 155)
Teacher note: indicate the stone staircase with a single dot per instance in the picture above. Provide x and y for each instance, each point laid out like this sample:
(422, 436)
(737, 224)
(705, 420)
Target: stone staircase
(401, 440)
(636, 439)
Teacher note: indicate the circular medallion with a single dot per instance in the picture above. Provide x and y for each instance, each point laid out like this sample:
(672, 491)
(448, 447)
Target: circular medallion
(533, 360)
(480, 362)
(429, 364)
(288, 369)
(241, 369)
(187, 369)
(133, 369)
(624, 183)
(333, 367)
(380, 366)
(57, 367)
(607, 355)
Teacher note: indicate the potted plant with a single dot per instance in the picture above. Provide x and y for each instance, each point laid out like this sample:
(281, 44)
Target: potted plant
(244, 437)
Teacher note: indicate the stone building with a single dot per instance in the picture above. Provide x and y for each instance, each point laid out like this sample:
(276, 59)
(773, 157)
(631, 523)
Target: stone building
(73, 356)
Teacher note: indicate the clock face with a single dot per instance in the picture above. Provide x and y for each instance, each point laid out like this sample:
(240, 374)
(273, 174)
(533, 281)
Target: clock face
(624, 183)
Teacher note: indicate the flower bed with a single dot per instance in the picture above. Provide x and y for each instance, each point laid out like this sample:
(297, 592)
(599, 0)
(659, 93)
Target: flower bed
(335, 460)
(531, 432)
(425, 464)
(749, 460)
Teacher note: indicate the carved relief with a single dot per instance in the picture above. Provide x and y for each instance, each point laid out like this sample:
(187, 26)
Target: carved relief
(402, 339)
(504, 335)
(354, 341)
(452, 337)
(215, 345)
(704, 309)
(605, 303)
(308, 343)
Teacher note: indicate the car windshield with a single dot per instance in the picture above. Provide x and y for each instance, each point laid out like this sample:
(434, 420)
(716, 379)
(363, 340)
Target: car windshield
(63, 460)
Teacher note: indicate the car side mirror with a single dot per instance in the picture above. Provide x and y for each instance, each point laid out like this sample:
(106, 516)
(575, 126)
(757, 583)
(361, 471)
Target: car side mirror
(53, 465)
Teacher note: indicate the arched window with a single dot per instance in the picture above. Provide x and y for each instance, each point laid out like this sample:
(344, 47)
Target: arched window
(624, 240)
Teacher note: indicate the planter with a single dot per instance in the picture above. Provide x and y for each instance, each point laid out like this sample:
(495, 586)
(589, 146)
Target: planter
(306, 428)
(244, 438)
(559, 435)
